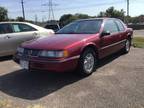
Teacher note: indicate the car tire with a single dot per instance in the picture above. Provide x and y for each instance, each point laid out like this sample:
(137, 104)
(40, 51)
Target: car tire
(127, 46)
(87, 62)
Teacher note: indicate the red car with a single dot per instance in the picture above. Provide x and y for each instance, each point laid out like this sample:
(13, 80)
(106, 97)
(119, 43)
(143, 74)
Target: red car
(78, 45)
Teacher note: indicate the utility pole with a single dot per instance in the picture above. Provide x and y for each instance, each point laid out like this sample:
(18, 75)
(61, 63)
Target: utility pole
(36, 19)
(23, 10)
(127, 7)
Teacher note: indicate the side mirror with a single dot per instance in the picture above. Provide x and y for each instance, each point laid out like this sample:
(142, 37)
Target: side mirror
(105, 33)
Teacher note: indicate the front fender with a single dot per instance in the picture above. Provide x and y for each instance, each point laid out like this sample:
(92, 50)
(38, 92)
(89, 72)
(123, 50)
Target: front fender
(90, 44)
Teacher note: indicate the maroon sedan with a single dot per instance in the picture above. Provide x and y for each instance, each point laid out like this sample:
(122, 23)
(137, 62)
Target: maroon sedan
(78, 45)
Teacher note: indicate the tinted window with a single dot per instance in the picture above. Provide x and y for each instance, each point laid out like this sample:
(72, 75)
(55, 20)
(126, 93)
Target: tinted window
(5, 28)
(53, 27)
(120, 25)
(22, 28)
(82, 27)
(111, 26)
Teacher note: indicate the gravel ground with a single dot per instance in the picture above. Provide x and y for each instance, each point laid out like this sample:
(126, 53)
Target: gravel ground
(117, 83)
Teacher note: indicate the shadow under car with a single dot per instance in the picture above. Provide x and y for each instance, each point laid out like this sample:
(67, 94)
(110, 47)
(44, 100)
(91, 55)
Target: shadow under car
(32, 86)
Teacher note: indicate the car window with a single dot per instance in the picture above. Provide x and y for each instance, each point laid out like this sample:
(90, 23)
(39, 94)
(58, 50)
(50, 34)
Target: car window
(22, 28)
(16, 28)
(5, 28)
(111, 26)
(120, 26)
(53, 27)
(82, 27)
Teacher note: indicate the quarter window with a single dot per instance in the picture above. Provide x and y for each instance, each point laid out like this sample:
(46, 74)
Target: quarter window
(5, 28)
(111, 26)
(120, 26)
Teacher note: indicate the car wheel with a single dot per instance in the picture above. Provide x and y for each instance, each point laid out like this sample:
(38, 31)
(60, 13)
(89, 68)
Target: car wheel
(87, 62)
(127, 46)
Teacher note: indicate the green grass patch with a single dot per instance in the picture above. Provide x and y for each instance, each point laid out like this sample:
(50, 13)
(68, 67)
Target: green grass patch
(138, 42)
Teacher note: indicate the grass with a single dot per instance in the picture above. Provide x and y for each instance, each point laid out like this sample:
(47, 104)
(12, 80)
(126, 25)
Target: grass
(138, 42)
(5, 103)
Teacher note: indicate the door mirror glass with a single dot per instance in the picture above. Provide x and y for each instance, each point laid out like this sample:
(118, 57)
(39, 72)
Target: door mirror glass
(105, 33)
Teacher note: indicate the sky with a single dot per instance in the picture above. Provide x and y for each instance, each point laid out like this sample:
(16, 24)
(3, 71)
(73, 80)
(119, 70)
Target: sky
(36, 8)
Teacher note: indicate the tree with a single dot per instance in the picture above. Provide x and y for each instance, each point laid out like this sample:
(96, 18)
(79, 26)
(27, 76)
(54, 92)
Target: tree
(102, 14)
(19, 19)
(112, 12)
(3, 14)
(67, 18)
(81, 16)
(141, 18)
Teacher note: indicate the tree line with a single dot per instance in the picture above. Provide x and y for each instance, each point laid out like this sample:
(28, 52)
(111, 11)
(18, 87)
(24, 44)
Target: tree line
(110, 12)
(67, 18)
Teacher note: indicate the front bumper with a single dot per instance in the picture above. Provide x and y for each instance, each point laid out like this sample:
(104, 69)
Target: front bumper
(37, 63)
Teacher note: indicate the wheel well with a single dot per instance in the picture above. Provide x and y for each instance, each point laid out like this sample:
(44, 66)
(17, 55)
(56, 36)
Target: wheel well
(91, 46)
(130, 39)
(129, 36)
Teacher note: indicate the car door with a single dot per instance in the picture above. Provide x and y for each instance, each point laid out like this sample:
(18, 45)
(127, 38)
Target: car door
(22, 33)
(107, 41)
(5, 39)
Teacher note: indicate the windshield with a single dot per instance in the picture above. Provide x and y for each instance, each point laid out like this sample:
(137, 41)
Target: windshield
(82, 27)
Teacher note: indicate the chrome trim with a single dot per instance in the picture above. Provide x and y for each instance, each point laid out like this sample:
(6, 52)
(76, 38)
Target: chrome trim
(56, 61)
(71, 58)
(112, 44)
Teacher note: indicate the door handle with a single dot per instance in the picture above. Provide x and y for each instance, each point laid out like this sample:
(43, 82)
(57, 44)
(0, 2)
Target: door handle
(7, 37)
(35, 34)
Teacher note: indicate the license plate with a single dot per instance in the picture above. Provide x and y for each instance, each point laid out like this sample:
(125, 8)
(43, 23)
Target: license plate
(24, 64)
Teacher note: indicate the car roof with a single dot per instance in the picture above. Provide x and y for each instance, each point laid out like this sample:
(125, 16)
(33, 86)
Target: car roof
(7, 22)
(103, 18)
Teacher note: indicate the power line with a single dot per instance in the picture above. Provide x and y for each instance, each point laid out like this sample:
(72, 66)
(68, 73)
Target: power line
(50, 10)
(68, 8)
(88, 6)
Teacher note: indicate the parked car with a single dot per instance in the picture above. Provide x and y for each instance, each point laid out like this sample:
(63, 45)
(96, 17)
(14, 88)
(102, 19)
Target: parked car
(54, 27)
(78, 45)
(12, 34)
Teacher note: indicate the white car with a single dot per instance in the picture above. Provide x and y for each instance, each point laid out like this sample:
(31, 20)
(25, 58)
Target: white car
(12, 34)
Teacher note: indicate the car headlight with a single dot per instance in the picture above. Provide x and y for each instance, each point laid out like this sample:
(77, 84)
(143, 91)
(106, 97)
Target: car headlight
(20, 50)
(54, 54)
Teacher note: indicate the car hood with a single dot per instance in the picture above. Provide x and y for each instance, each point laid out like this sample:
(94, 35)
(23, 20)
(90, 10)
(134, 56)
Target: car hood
(57, 41)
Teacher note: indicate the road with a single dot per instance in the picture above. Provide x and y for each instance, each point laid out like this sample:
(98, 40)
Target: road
(117, 83)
